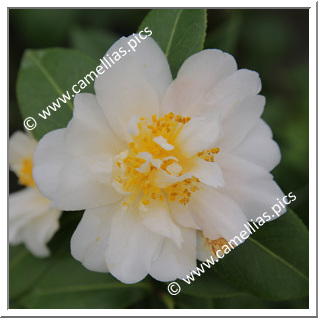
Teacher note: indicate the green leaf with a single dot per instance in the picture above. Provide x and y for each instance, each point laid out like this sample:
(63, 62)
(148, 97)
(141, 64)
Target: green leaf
(193, 302)
(179, 32)
(24, 270)
(69, 285)
(208, 285)
(64, 282)
(273, 262)
(43, 77)
(93, 42)
(247, 301)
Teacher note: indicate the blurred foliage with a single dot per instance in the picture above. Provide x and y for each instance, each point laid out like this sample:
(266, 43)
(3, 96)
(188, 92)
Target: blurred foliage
(274, 43)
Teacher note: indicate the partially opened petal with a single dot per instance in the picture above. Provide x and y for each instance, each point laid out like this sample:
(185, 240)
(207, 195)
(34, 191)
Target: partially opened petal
(233, 89)
(40, 231)
(68, 180)
(182, 215)
(90, 239)
(259, 147)
(89, 132)
(216, 214)
(196, 77)
(134, 85)
(208, 173)
(199, 134)
(239, 121)
(32, 220)
(203, 249)
(24, 205)
(174, 262)
(158, 219)
(131, 247)
(251, 186)
(162, 179)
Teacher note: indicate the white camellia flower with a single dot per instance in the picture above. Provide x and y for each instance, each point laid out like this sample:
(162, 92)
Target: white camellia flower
(163, 168)
(33, 219)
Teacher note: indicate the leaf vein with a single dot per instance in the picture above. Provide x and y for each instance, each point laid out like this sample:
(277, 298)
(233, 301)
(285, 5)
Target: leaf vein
(279, 258)
(48, 77)
(173, 32)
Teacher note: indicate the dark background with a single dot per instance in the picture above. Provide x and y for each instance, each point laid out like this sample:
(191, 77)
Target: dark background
(274, 43)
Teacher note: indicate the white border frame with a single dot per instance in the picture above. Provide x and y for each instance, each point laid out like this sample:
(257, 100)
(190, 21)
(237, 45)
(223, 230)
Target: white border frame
(312, 161)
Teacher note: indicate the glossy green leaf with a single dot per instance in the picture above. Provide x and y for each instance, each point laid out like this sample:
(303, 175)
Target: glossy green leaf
(69, 285)
(93, 42)
(179, 32)
(208, 285)
(64, 282)
(247, 301)
(273, 262)
(43, 77)
(24, 270)
(185, 301)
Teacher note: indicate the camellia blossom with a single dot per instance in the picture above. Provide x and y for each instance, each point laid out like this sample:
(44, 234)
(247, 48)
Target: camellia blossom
(33, 219)
(166, 170)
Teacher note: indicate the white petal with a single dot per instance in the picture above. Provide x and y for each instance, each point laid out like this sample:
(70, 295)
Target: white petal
(203, 249)
(233, 89)
(182, 215)
(24, 205)
(21, 146)
(163, 143)
(239, 121)
(133, 125)
(252, 187)
(156, 163)
(162, 179)
(90, 239)
(174, 169)
(174, 262)
(40, 231)
(209, 66)
(145, 166)
(158, 220)
(102, 170)
(216, 214)
(199, 134)
(197, 76)
(259, 147)
(208, 173)
(32, 220)
(134, 85)
(170, 158)
(68, 180)
(131, 247)
(88, 132)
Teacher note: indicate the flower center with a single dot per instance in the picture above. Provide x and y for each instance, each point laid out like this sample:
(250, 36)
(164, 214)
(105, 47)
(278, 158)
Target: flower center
(25, 176)
(154, 167)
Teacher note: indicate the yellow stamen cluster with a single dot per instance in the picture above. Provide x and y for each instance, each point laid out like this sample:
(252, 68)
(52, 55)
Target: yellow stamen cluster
(181, 191)
(208, 155)
(25, 175)
(137, 172)
(168, 126)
